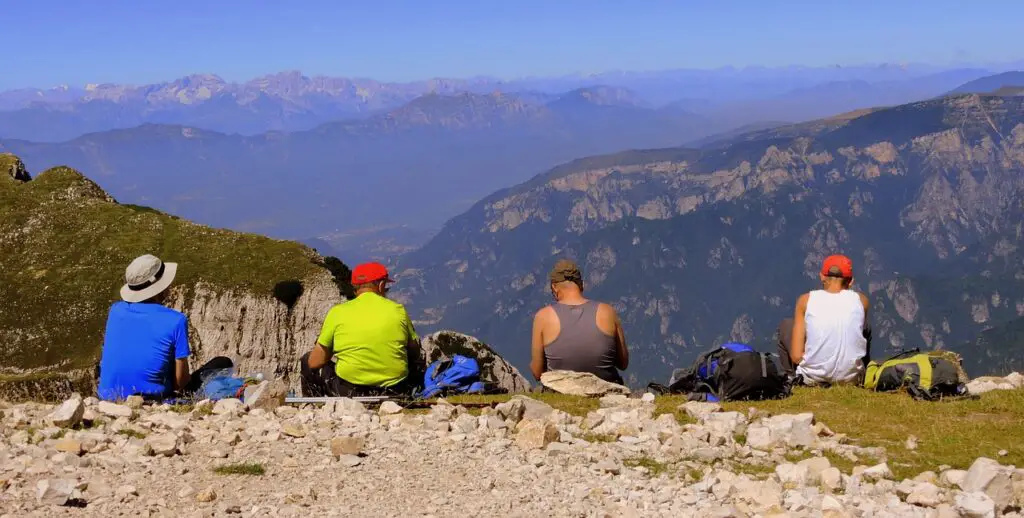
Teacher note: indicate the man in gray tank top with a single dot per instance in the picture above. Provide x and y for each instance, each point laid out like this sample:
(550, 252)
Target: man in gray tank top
(577, 334)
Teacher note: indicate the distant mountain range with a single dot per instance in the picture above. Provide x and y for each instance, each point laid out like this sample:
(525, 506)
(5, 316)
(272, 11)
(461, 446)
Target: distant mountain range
(290, 101)
(1007, 82)
(422, 162)
(698, 246)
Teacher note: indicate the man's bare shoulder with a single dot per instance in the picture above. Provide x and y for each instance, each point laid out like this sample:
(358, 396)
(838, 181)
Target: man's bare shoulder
(864, 299)
(544, 313)
(607, 309)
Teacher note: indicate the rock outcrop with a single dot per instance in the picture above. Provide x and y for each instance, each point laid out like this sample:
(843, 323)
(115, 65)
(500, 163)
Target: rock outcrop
(13, 167)
(494, 369)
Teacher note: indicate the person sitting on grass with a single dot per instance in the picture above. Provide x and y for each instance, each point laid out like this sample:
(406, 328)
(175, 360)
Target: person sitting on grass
(577, 334)
(370, 339)
(145, 346)
(828, 340)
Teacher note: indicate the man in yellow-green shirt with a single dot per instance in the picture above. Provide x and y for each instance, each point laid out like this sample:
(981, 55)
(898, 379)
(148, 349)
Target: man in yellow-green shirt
(370, 339)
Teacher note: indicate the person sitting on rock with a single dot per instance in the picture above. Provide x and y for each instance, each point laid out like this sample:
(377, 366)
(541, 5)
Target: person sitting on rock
(371, 339)
(828, 340)
(145, 346)
(577, 334)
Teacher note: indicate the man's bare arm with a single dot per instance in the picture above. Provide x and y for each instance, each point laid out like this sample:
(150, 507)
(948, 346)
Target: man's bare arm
(796, 348)
(537, 346)
(622, 350)
(867, 306)
(181, 373)
(318, 356)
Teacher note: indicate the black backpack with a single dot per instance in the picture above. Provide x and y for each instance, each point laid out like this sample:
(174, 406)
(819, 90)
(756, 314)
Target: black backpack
(732, 372)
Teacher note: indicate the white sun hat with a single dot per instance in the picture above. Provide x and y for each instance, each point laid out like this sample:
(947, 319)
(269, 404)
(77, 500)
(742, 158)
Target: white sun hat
(147, 276)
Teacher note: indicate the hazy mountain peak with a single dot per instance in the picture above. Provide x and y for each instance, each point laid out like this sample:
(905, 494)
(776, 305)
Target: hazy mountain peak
(604, 95)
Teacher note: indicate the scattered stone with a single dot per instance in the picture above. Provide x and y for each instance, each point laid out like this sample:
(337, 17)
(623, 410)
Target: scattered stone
(533, 409)
(910, 443)
(134, 402)
(647, 397)
(293, 429)
(580, 384)
(465, 423)
(207, 495)
(389, 408)
(347, 446)
(348, 408)
(877, 472)
(974, 505)
(831, 479)
(608, 466)
(55, 491)
(228, 406)
(266, 395)
(114, 410)
(792, 475)
(953, 478)
(535, 434)
(69, 445)
(698, 409)
(165, 444)
(350, 461)
(925, 494)
(125, 491)
(68, 414)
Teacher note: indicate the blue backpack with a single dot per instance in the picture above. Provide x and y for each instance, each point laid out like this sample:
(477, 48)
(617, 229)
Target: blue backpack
(459, 375)
(220, 384)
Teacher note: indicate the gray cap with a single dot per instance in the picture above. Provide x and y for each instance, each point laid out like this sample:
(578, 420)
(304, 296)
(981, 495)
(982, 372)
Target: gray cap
(146, 277)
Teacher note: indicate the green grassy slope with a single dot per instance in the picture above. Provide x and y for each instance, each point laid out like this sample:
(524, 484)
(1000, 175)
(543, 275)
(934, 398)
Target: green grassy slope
(64, 245)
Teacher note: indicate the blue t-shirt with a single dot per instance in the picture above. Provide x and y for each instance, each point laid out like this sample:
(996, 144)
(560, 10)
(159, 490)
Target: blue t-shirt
(139, 348)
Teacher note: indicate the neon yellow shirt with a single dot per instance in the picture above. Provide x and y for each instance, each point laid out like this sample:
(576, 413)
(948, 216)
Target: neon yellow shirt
(368, 335)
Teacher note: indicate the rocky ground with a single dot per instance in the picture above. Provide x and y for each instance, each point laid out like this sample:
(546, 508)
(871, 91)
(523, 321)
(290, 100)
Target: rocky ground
(521, 458)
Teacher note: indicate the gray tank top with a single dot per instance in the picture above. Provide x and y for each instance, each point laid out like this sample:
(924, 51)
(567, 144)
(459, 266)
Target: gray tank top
(580, 345)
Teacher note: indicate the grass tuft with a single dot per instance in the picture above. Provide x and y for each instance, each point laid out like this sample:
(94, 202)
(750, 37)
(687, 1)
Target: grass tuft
(240, 468)
(134, 434)
(653, 467)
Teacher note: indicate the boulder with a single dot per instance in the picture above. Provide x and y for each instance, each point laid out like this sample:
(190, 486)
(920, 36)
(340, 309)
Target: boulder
(494, 370)
(134, 402)
(535, 434)
(991, 478)
(69, 413)
(580, 384)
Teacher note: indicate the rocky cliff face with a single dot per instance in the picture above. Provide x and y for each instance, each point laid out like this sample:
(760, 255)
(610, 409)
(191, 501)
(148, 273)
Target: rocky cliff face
(698, 246)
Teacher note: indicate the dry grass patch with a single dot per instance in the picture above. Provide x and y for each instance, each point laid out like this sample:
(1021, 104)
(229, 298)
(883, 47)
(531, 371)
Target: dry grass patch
(952, 432)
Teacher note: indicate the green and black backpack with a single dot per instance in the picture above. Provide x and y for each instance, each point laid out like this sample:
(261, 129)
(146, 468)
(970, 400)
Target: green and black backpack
(927, 375)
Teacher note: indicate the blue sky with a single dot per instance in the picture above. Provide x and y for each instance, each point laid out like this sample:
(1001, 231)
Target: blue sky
(50, 42)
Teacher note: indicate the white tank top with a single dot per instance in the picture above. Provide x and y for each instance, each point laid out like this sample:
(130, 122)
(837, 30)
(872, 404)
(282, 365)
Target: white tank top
(835, 346)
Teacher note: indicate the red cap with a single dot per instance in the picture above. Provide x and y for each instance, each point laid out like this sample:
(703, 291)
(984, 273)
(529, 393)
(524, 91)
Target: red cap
(837, 266)
(369, 272)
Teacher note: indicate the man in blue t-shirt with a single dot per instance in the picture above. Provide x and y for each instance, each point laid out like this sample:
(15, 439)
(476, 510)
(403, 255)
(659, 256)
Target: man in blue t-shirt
(145, 348)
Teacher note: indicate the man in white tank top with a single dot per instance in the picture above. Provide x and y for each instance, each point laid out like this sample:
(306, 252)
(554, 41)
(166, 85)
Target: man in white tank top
(828, 340)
